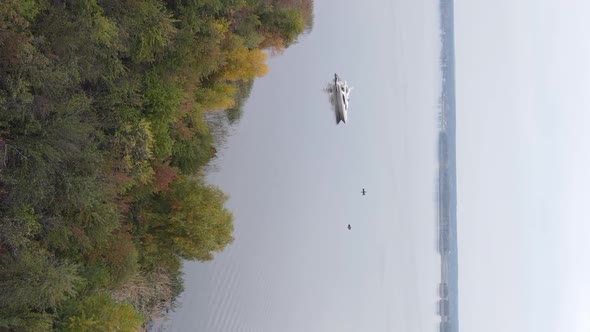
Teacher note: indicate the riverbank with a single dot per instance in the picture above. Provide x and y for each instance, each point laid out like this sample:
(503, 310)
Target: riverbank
(110, 113)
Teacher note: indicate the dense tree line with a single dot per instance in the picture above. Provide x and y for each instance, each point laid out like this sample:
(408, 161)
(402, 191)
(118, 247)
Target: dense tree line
(103, 142)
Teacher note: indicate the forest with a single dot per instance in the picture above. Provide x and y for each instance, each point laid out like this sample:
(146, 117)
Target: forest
(110, 113)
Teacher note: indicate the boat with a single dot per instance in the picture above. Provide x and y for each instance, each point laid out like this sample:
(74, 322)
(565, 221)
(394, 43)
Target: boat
(340, 98)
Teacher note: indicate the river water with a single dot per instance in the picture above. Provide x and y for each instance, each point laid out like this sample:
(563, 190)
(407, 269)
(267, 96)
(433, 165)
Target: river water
(294, 180)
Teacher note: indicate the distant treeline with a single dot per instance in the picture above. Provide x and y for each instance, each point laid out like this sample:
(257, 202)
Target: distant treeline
(104, 137)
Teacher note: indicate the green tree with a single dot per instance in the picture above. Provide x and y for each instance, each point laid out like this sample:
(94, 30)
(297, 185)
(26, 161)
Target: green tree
(192, 220)
(99, 313)
(281, 25)
(82, 37)
(34, 284)
(149, 28)
(193, 153)
(134, 144)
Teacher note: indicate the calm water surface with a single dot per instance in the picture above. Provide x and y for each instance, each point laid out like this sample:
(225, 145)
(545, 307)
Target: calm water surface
(294, 178)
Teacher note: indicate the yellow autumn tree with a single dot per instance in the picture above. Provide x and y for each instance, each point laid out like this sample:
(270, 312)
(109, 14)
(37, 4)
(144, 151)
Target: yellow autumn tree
(244, 64)
(217, 96)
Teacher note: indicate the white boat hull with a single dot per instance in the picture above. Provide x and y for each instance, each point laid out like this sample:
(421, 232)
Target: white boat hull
(340, 107)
